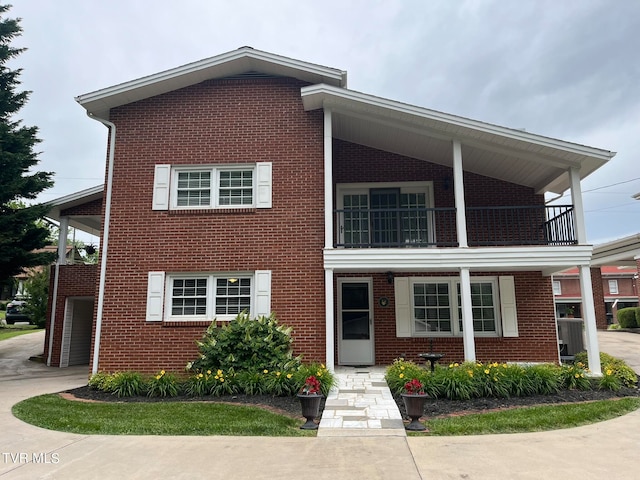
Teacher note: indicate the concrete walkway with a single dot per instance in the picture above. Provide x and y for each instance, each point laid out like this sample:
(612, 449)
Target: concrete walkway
(360, 404)
(605, 450)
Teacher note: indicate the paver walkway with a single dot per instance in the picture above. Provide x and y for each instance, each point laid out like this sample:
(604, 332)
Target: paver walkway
(360, 404)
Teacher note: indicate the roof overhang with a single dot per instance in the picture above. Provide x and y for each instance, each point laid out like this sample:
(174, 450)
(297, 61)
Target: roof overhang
(623, 251)
(508, 154)
(87, 223)
(236, 62)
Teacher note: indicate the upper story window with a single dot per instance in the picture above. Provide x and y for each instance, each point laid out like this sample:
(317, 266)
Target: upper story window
(613, 287)
(211, 187)
(557, 287)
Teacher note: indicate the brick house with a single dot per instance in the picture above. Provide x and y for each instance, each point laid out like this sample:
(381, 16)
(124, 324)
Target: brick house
(374, 228)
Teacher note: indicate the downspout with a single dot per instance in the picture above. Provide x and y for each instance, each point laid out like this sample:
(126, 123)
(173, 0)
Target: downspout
(105, 239)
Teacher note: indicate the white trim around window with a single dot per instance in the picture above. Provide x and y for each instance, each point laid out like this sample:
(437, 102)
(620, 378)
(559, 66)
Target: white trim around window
(557, 287)
(613, 287)
(197, 187)
(207, 296)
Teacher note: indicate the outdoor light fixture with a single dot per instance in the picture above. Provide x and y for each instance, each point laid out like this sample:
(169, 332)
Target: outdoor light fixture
(390, 277)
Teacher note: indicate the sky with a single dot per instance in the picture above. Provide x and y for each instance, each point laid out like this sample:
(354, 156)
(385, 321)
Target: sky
(565, 69)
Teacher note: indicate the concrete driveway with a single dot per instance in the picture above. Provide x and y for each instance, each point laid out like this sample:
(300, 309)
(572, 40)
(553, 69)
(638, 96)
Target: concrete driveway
(604, 450)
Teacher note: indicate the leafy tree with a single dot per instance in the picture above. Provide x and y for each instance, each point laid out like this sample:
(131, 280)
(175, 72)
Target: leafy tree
(20, 232)
(37, 286)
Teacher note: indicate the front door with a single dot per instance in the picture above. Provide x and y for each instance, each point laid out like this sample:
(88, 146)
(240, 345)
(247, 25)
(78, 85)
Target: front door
(355, 322)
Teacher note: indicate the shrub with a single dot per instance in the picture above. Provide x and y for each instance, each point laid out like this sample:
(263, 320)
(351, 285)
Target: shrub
(544, 378)
(456, 382)
(573, 376)
(401, 371)
(628, 317)
(318, 370)
(619, 369)
(101, 381)
(489, 379)
(246, 344)
(163, 385)
(127, 384)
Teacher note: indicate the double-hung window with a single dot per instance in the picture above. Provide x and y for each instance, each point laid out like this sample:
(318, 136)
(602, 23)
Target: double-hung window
(214, 187)
(437, 307)
(613, 287)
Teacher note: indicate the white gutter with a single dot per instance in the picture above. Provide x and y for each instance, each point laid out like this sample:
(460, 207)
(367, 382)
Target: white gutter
(105, 239)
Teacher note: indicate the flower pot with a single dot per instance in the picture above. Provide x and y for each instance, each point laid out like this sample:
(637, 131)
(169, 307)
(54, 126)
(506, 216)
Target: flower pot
(414, 405)
(310, 409)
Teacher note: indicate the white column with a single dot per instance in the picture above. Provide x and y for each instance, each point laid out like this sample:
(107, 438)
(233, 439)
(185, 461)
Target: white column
(328, 241)
(467, 316)
(62, 241)
(328, 181)
(589, 319)
(329, 330)
(578, 206)
(458, 191)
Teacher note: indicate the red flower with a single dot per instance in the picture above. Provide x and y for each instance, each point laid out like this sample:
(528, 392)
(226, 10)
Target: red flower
(311, 386)
(414, 387)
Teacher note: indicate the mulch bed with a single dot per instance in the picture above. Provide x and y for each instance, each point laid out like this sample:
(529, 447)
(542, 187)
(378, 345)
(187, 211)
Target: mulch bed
(433, 408)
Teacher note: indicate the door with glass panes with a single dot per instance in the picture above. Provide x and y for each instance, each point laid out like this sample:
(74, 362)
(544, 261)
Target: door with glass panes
(355, 322)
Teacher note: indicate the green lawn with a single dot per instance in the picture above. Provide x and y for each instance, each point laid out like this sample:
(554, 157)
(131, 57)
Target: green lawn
(533, 419)
(8, 331)
(155, 418)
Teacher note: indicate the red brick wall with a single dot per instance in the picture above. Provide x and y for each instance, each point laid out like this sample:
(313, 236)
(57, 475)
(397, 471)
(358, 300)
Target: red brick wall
(570, 287)
(598, 298)
(215, 122)
(73, 281)
(91, 208)
(537, 340)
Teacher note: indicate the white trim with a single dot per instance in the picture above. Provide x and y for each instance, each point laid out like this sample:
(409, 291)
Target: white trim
(613, 282)
(328, 180)
(357, 345)
(468, 339)
(329, 320)
(578, 206)
(552, 258)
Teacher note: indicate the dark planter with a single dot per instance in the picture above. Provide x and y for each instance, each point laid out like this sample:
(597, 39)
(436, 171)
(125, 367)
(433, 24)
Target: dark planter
(310, 409)
(414, 405)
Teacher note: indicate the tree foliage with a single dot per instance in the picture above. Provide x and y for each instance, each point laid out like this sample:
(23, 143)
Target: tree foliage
(37, 286)
(20, 232)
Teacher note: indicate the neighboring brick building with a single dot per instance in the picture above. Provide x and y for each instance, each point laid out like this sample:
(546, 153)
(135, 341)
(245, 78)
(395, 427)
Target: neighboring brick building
(373, 228)
(618, 289)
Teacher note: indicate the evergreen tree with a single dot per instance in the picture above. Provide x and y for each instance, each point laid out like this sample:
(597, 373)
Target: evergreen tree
(20, 231)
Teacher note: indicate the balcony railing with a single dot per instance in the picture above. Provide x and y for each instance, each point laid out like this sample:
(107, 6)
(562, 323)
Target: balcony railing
(436, 227)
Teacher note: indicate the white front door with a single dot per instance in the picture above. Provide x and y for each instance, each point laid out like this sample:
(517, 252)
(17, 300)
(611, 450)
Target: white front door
(355, 321)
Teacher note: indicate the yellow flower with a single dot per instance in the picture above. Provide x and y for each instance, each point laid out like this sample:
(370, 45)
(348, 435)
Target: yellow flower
(277, 374)
(158, 377)
(478, 364)
(289, 375)
(470, 372)
(222, 379)
(401, 375)
(577, 375)
(486, 370)
(401, 368)
(216, 377)
(495, 364)
(322, 365)
(208, 372)
(318, 373)
(200, 375)
(495, 379)
(456, 364)
(504, 365)
(265, 371)
(219, 372)
(161, 372)
(609, 371)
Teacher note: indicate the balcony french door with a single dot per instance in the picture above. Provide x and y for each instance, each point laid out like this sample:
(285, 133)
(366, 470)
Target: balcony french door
(386, 217)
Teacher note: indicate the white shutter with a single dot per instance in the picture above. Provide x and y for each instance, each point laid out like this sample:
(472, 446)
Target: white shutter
(155, 296)
(161, 186)
(262, 293)
(403, 307)
(508, 307)
(264, 184)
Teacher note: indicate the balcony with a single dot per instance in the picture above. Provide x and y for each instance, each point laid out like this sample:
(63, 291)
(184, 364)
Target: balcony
(436, 227)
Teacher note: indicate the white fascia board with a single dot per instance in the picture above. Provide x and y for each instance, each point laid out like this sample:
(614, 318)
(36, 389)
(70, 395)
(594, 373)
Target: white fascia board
(621, 251)
(548, 259)
(196, 72)
(316, 96)
(81, 196)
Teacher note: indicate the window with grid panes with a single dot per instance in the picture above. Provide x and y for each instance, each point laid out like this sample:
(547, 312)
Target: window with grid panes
(482, 306)
(214, 187)
(235, 187)
(233, 295)
(189, 297)
(432, 307)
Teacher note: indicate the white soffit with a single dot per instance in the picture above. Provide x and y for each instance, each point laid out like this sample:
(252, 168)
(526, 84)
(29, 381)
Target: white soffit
(236, 62)
(86, 223)
(498, 152)
(623, 251)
